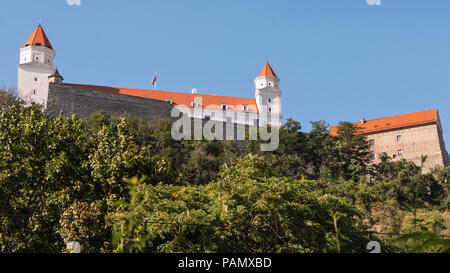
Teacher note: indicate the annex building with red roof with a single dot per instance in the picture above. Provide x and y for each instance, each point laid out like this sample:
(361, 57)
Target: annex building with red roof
(39, 82)
(408, 136)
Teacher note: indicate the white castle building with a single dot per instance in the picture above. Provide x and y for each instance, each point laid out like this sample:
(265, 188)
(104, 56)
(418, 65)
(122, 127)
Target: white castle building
(36, 74)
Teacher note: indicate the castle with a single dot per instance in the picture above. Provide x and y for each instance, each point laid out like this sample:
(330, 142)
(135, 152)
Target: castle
(405, 136)
(39, 82)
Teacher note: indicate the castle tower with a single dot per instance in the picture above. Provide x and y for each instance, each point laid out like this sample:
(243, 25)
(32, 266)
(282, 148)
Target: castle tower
(35, 68)
(55, 77)
(268, 95)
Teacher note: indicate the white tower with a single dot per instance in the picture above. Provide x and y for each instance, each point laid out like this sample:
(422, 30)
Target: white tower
(35, 68)
(268, 95)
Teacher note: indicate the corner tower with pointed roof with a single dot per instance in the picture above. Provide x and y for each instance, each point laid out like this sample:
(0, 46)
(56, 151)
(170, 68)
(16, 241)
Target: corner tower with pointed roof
(268, 95)
(35, 67)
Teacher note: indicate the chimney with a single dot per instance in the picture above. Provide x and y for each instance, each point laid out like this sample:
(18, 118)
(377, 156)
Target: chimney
(363, 121)
(194, 91)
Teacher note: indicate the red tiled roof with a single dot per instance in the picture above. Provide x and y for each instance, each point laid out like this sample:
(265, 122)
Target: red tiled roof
(211, 102)
(267, 71)
(38, 37)
(394, 122)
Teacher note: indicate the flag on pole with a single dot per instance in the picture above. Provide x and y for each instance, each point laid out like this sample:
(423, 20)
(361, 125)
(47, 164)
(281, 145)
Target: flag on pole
(154, 80)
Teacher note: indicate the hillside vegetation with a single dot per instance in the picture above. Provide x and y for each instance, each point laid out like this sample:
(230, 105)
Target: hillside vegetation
(121, 185)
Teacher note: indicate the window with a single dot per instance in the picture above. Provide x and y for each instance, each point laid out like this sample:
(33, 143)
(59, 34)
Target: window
(269, 83)
(37, 58)
(372, 142)
(400, 152)
(229, 119)
(388, 124)
(399, 138)
(270, 110)
(244, 107)
(375, 126)
(207, 117)
(35, 79)
(372, 157)
(34, 91)
(194, 104)
(224, 106)
(270, 100)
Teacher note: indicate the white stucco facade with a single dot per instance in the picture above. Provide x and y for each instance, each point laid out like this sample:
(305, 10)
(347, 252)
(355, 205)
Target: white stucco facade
(35, 67)
(268, 99)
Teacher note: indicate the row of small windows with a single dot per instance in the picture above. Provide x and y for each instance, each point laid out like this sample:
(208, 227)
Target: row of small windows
(270, 84)
(194, 103)
(228, 119)
(37, 59)
(222, 106)
(376, 126)
(372, 141)
(399, 153)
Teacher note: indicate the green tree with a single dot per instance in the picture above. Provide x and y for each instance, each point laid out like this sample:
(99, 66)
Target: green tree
(84, 223)
(247, 209)
(37, 178)
(351, 153)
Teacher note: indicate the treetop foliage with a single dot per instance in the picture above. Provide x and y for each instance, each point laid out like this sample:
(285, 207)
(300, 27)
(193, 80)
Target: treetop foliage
(63, 179)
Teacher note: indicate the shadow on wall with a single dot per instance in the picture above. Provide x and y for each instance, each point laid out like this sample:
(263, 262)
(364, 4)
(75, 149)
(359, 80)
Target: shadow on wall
(106, 89)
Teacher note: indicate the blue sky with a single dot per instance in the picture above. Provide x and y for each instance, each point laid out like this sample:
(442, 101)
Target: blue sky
(337, 59)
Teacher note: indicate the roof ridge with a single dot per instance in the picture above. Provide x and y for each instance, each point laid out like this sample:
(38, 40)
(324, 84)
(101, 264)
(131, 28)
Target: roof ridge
(393, 122)
(140, 89)
(393, 116)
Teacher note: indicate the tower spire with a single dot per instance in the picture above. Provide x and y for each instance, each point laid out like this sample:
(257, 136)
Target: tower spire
(38, 38)
(267, 71)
